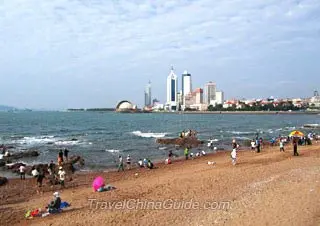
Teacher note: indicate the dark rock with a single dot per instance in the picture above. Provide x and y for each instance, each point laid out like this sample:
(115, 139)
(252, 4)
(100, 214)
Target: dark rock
(182, 142)
(3, 181)
(74, 139)
(22, 154)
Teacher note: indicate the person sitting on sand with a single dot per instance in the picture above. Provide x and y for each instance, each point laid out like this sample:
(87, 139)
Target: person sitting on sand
(140, 163)
(198, 154)
(145, 163)
(203, 153)
(150, 164)
(54, 205)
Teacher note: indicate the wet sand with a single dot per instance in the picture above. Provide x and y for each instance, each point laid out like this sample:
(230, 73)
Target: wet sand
(270, 188)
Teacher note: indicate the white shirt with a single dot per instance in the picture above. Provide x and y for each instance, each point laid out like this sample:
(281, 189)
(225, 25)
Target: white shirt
(35, 173)
(22, 169)
(253, 144)
(62, 174)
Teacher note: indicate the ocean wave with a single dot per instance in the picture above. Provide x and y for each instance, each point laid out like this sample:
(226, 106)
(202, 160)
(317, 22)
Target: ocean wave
(35, 140)
(112, 150)
(149, 135)
(243, 138)
(66, 142)
(240, 132)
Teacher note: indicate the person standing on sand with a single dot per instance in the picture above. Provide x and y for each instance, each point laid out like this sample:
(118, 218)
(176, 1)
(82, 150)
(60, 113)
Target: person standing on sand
(253, 145)
(234, 152)
(120, 166)
(295, 147)
(128, 162)
(22, 170)
(62, 176)
(186, 152)
(51, 168)
(281, 145)
(66, 153)
(40, 178)
(60, 157)
(258, 145)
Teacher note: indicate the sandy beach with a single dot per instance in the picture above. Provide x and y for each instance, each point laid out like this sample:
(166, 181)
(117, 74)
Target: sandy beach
(270, 188)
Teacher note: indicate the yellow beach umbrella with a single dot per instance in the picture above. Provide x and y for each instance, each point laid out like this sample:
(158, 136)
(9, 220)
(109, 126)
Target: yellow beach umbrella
(296, 133)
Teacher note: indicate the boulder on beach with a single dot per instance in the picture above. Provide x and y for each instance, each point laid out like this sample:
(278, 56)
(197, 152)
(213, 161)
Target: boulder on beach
(182, 142)
(3, 181)
(21, 154)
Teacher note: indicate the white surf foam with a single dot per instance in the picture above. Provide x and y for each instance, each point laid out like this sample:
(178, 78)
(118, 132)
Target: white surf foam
(35, 140)
(66, 142)
(113, 150)
(149, 135)
(239, 132)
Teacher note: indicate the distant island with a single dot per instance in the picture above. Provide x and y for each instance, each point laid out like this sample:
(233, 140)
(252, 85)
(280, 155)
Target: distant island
(7, 108)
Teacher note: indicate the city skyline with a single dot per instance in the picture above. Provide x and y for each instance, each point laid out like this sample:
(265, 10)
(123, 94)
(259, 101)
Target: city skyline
(73, 54)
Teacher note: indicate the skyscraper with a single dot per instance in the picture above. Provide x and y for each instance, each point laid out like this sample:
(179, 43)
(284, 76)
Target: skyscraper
(186, 84)
(172, 87)
(210, 92)
(147, 95)
(219, 97)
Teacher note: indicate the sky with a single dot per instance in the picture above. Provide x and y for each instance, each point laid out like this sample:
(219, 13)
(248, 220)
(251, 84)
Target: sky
(58, 54)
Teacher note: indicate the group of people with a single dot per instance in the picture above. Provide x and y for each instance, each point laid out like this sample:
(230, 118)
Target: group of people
(257, 144)
(145, 163)
(63, 153)
(189, 133)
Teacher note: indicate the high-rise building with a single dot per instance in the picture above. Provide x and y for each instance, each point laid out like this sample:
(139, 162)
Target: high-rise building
(172, 87)
(219, 97)
(147, 95)
(210, 92)
(186, 84)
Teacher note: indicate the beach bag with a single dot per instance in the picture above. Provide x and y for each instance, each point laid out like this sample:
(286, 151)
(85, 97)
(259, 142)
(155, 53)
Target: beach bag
(35, 213)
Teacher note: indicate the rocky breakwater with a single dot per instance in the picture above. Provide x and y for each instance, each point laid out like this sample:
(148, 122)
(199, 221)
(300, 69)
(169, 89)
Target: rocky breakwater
(18, 155)
(68, 166)
(182, 142)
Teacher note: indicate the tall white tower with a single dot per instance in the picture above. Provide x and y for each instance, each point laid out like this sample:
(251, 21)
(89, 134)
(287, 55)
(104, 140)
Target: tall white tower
(186, 84)
(172, 87)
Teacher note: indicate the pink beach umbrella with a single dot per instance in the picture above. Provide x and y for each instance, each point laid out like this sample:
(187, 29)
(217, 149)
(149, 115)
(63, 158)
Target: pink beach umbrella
(97, 183)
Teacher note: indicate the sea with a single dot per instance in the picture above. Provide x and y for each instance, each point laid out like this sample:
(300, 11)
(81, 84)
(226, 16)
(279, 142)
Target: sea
(100, 137)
